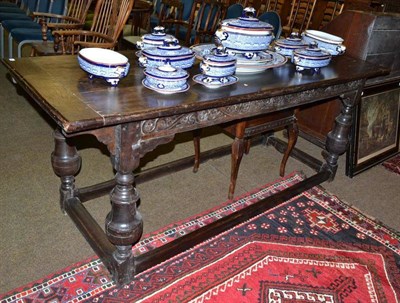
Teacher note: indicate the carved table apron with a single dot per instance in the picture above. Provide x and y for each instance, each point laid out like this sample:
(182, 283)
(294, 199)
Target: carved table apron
(132, 120)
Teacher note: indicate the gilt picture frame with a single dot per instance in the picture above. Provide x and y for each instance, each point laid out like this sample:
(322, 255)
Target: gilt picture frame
(375, 134)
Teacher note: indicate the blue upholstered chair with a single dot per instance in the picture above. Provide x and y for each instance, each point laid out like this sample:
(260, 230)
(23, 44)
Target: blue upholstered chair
(234, 11)
(58, 18)
(25, 8)
(9, 4)
(43, 8)
(168, 11)
(272, 18)
(18, 13)
(109, 20)
(204, 19)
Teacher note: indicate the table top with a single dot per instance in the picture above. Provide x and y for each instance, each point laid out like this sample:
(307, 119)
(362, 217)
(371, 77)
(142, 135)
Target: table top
(76, 103)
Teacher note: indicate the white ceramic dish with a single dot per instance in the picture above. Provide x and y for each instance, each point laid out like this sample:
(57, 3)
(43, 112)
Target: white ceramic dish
(326, 42)
(103, 63)
(212, 82)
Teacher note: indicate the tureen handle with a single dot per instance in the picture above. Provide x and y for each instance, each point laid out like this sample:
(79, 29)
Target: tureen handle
(159, 30)
(249, 12)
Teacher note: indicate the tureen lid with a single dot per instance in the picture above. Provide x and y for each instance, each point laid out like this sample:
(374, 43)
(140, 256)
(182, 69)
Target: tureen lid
(170, 48)
(292, 41)
(158, 35)
(166, 72)
(219, 56)
(248, 21)
(312, 52)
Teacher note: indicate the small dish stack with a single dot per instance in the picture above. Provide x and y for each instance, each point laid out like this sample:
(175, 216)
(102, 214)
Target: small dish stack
(178, 56)
(287, 45)
(312, 58)
(218, 69)
(166, 79)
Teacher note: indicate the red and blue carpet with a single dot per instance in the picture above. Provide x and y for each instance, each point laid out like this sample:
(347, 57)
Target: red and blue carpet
(393, 164)
(312, 248)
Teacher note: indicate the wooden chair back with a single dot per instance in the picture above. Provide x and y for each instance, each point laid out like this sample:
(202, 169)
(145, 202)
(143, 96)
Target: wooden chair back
(300, 16)
(332, 10)
(109, 19)
(204, 20)
(262, 6)
(170, 11)
(78, 9)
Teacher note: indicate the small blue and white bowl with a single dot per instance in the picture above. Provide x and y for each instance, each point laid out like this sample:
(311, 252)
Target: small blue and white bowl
(288, 45)
(218, 64)
(178, 56)
(246, 34)
(311, 58)
(103, 63)
(327, 42)
(166, 79)
(154, 39)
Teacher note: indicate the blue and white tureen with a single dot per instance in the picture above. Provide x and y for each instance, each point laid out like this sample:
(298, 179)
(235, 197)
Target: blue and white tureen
(154, 39)
(166, 79)
(311, 57)
(218, 64)
(245, 34)
(103, 63)
(288, 45)
(171, 51)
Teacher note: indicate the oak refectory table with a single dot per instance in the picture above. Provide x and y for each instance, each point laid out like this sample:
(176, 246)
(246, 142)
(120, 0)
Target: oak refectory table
(132, 120)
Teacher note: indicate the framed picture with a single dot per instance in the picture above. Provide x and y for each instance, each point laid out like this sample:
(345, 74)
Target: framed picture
(375, 135)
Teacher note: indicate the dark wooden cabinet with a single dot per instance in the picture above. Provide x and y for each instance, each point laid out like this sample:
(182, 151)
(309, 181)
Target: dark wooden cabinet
(371, 36)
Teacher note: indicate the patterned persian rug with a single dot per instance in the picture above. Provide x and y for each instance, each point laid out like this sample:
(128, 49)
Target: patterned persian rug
(312, 248)
(393, 164)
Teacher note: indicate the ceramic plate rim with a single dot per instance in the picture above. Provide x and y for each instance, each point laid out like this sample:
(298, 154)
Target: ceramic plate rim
(236, 79)
(165, 92)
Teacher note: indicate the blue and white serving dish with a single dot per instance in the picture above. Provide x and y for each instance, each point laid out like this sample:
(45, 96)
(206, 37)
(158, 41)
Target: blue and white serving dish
(214, 82)
(327, 42)
(166, 79)
(288, 45)
(103, 63)
(312, 58)
(246, 34)
(177, 55)
(263, 61)
(154, 39)
(218, 64)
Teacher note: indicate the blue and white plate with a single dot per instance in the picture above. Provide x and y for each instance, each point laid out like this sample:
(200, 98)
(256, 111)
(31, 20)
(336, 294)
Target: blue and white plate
(214, 82)
(182, 89)
(258, 67)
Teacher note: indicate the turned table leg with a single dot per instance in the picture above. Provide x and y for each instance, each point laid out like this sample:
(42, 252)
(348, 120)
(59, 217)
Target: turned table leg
(66, 163)
(338, 138)
(124, 225)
